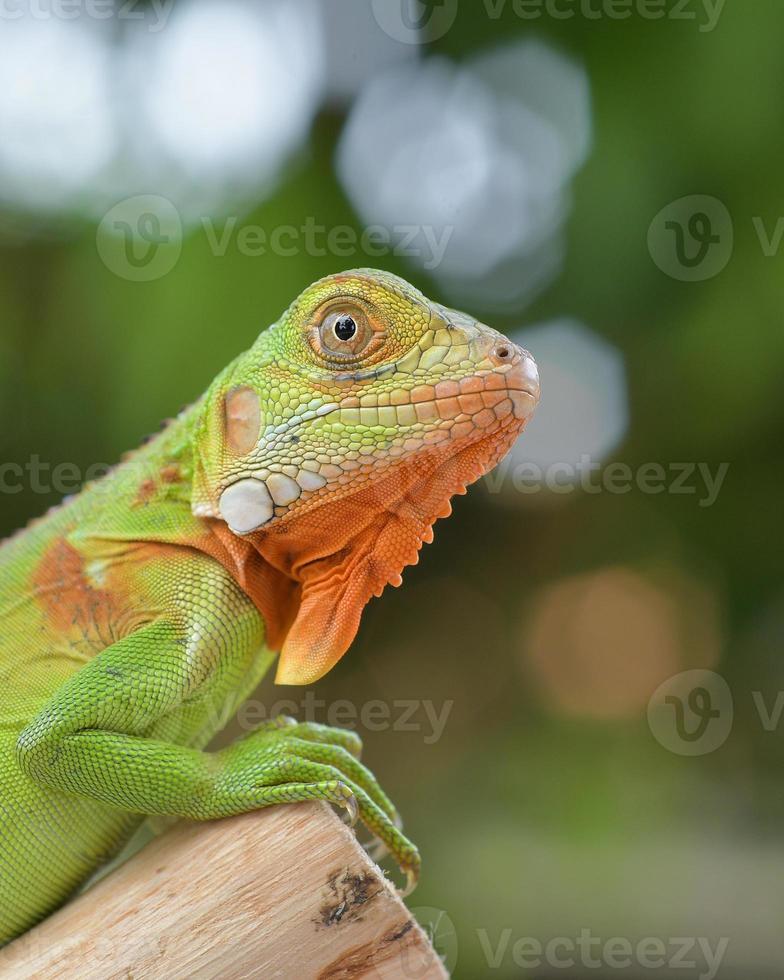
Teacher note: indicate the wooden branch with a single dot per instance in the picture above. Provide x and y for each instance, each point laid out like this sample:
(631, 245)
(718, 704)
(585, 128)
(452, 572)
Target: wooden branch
(284, 892)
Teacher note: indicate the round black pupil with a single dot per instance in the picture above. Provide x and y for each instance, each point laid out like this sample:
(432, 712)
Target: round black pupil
(345, 327)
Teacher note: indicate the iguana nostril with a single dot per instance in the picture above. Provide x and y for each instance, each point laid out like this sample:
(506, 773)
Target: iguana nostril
(503, 353)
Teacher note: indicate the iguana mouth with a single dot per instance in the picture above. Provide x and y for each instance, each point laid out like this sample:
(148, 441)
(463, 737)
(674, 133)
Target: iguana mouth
(419, 419)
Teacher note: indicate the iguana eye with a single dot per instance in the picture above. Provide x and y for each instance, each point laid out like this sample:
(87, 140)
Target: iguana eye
(345, 327)
(344, 334)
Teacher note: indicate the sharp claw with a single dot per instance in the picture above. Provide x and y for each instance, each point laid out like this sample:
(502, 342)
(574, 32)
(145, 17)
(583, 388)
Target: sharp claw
(412, 877)
(352, 808)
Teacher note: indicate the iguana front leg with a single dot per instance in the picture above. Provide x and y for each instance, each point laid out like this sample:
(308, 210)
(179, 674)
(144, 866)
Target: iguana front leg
(115, 731)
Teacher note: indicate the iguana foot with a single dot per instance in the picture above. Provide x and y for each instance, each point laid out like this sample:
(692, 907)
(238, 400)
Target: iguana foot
(285, 761)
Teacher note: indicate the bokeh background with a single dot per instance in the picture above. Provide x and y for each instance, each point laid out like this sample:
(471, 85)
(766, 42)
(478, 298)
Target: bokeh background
(172, 176)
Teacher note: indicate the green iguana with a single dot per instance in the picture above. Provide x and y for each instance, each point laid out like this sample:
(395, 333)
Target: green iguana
(262, 519)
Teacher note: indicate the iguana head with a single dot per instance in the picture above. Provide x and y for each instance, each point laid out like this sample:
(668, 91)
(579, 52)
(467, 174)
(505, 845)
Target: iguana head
(334, 444)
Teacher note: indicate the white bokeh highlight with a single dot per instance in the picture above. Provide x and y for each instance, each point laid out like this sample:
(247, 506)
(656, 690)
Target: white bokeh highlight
(232, 87)
(473, 154)
(207, 109)
(57, 131)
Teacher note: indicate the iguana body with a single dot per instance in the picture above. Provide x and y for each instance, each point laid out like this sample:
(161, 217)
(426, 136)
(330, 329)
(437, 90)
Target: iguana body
(138, 615)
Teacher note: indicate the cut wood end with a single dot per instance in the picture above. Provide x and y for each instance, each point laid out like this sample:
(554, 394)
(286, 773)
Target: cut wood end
(281, 892)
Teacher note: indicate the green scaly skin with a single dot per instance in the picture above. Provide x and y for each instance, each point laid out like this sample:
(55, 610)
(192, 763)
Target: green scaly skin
(136, 617)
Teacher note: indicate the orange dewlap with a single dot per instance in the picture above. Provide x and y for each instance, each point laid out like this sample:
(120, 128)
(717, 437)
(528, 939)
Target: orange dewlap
(346, 551)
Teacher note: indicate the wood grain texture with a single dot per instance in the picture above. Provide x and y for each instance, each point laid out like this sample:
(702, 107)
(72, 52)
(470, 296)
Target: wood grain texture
(284, 892)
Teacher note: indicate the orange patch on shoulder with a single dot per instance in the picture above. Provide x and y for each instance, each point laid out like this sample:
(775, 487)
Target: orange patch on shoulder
(72, 602)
